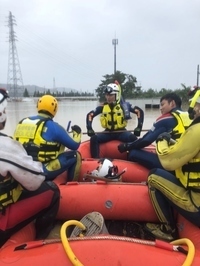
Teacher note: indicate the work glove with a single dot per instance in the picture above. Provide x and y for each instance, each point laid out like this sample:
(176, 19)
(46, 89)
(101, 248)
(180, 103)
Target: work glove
(76, 128)
(123, 147)
(137, 131)
(90, 132)
(164, 135)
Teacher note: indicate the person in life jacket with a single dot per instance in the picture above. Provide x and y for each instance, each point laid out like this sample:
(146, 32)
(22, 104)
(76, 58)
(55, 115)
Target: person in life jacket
(172, 120)
(24, 195)
(46, 141)
(165, 188)
(113, 118)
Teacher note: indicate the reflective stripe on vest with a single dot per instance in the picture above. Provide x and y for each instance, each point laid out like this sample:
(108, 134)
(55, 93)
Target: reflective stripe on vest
(113, 119)
(29, 133)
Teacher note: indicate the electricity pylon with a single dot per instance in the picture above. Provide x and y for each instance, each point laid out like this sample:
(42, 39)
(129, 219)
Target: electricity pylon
(14, 78)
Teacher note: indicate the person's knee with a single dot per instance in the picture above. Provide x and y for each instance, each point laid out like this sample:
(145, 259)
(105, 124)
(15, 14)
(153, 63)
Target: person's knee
(78, 157)
(94, 138)
(132, 137)
(56, 191)
(77, 167)
(152, 177)
(52, 185)
(152, 171)
(131, 155)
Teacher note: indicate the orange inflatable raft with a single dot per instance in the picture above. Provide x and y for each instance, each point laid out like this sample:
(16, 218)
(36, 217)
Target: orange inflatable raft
(121, 201)
(108, 150)
(134, 172)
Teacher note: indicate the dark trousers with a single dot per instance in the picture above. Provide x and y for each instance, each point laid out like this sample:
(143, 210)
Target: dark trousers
(106, 137)
(168, 194)
(148, 159)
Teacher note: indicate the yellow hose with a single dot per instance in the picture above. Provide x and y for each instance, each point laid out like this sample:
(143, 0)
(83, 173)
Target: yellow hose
(191, 250)
(76, 262)
(65, 242)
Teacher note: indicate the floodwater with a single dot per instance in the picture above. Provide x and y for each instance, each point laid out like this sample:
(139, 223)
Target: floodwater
(74, 111)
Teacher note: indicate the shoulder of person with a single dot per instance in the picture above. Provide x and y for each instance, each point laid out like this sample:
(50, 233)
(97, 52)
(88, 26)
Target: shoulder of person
(3, 135)
(99, 108)
(10, 145)
(96, 111)
(165, 116)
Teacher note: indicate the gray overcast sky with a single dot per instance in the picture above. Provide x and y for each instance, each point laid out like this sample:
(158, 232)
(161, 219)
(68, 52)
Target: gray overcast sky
(71, 41)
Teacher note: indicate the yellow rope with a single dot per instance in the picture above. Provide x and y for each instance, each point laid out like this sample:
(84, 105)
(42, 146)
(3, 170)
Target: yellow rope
(191, 249)
(65, 242)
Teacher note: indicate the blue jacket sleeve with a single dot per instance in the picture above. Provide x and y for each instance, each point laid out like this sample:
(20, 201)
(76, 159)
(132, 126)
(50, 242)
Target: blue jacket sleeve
(140, 115)
(57, 133)
(164, 123)
(90, 116)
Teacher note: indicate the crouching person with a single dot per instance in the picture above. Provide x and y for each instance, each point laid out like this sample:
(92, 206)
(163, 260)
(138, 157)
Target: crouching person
(46, 141)
(179, 191)
(24, 195)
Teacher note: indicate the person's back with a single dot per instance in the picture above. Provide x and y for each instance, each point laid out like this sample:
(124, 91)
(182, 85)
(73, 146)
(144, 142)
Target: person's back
(172, 120)
(46, 140)
(24, 195)
(113, 118)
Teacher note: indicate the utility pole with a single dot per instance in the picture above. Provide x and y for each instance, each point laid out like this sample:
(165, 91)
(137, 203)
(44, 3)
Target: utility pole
(115, 42)
(198, 75)
(54, 83)
(14, 72)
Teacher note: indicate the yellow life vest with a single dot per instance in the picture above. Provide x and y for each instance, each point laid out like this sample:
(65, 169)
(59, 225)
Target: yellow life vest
(183, 123)
(113, 119)
(10, 191)
(29, 133)
(189, 174)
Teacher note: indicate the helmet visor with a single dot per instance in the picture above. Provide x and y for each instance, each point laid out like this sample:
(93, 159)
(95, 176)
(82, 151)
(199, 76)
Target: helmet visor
(109, 90)
(113, 171)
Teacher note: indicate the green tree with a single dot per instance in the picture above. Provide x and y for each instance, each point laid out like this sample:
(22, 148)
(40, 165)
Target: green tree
(150, 93)
(127, 82)
(25, 94)
(183, 93)
(48, 92)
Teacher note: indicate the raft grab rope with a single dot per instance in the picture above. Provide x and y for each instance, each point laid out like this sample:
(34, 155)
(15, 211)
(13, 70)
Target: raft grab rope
(173, 246)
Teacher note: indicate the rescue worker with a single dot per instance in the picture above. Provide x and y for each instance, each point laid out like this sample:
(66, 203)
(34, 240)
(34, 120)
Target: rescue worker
(180, 192)
(24, 195)
(172, 120)
(45, 140)
(114, 116)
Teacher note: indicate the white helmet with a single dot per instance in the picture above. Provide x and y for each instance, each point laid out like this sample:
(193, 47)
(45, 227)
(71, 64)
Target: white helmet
(3, 104)
(193, 90)
(112, 88)
(105, 169)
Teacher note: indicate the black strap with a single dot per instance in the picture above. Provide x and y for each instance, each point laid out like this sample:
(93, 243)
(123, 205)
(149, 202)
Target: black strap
(22, 167)
(192, 167)
(7, 186)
